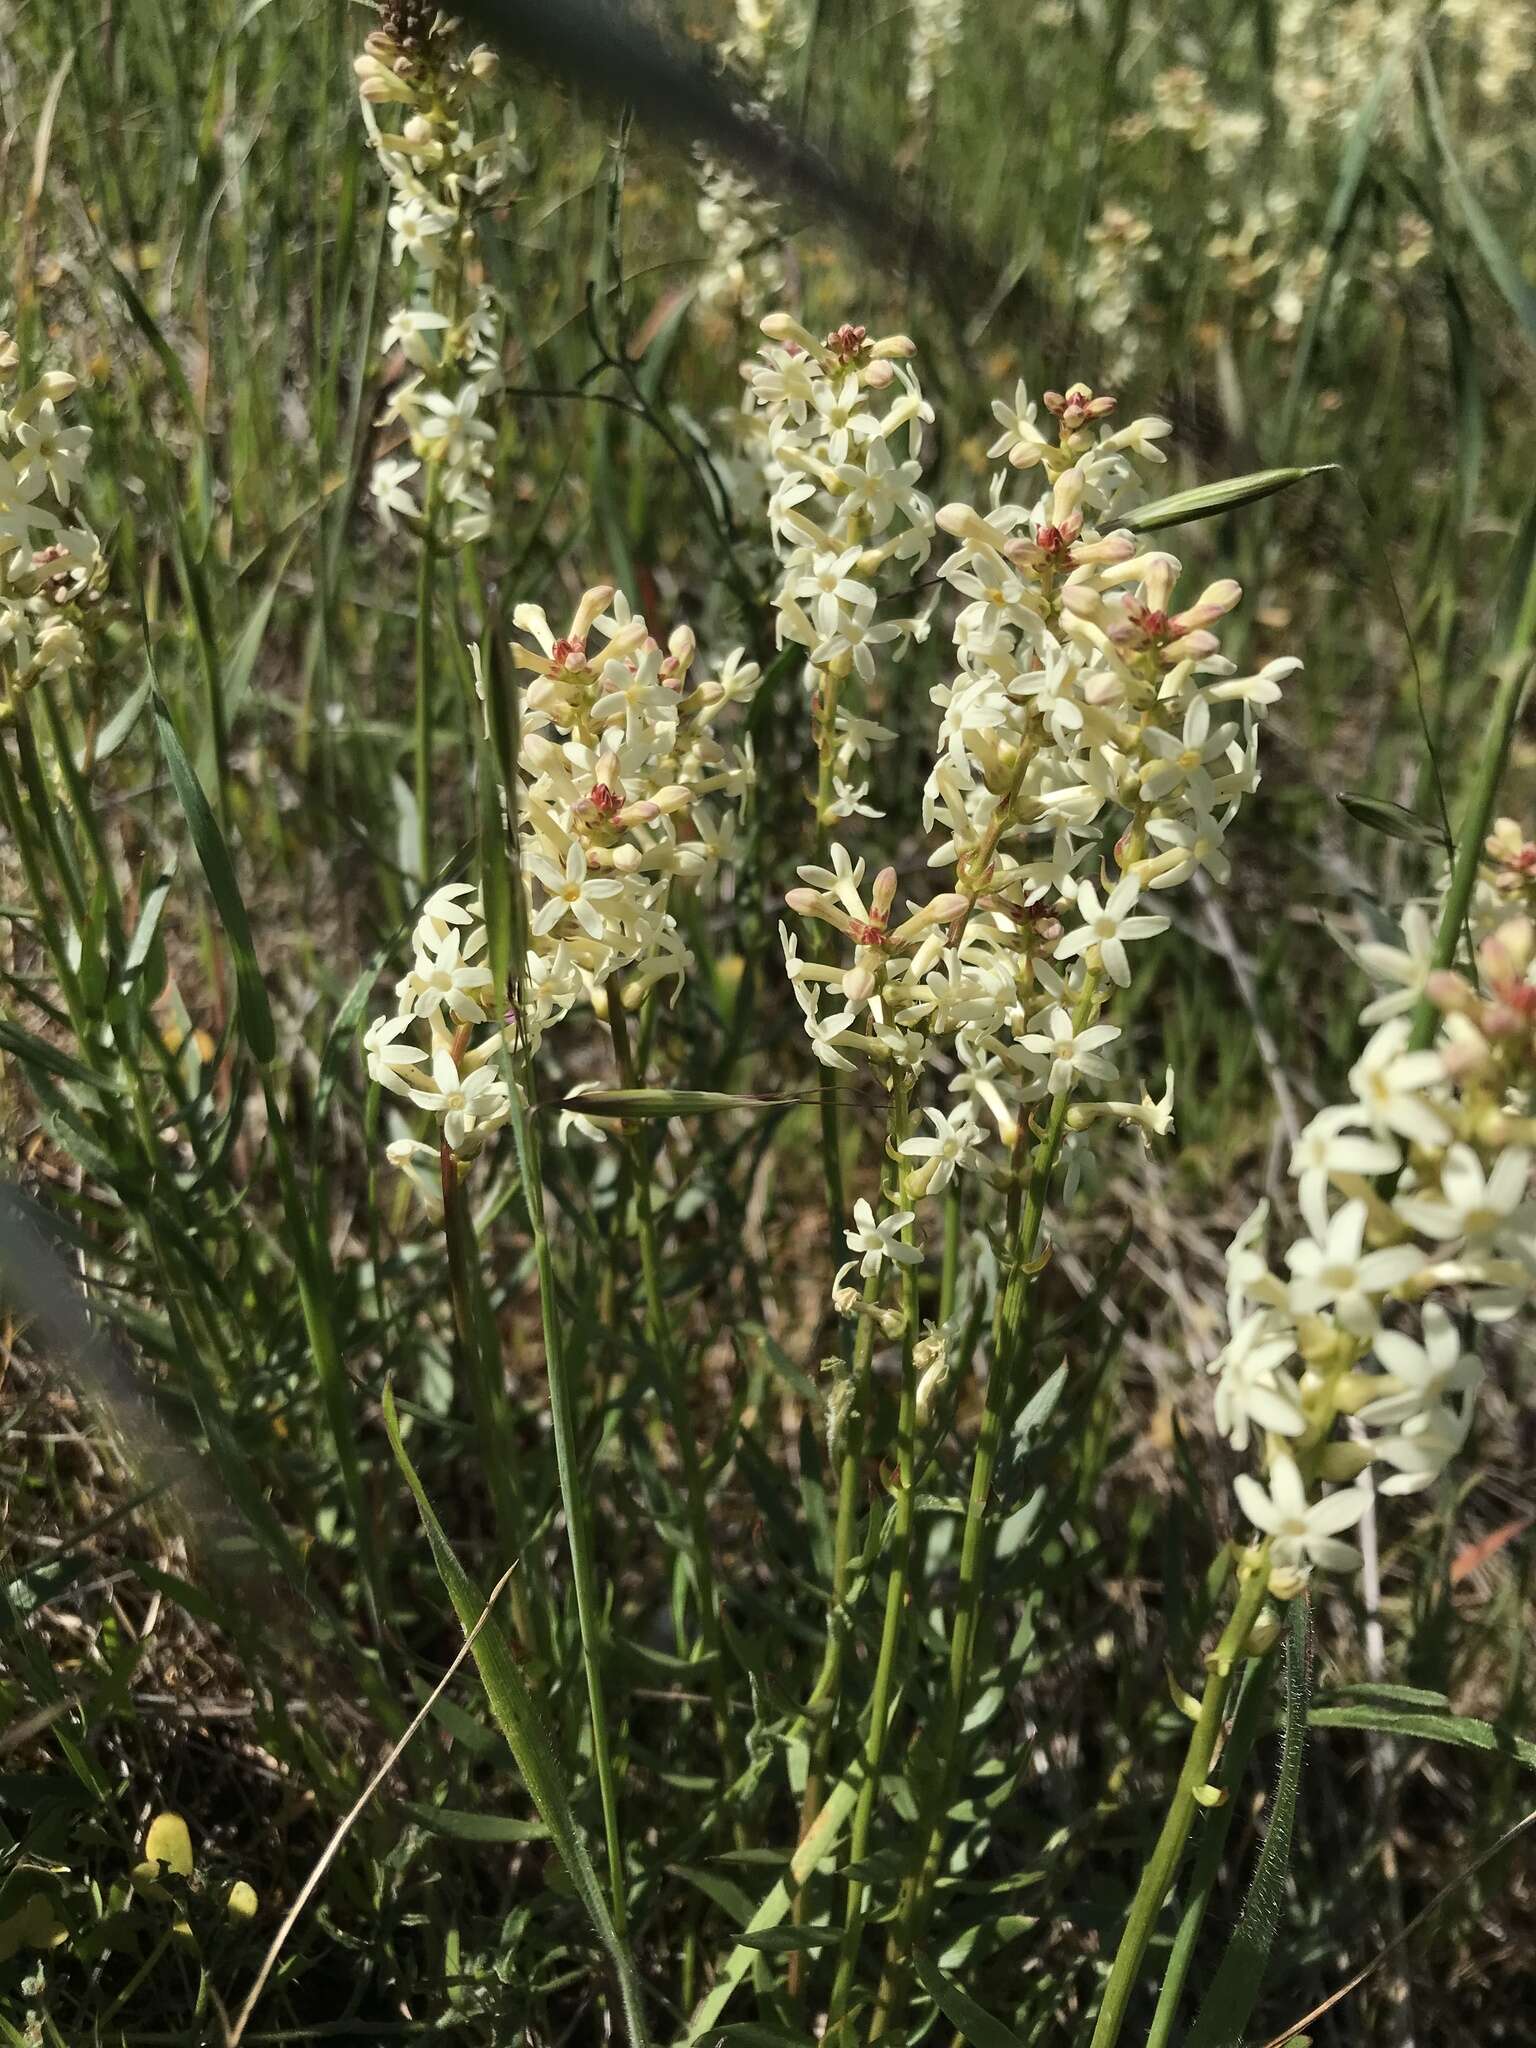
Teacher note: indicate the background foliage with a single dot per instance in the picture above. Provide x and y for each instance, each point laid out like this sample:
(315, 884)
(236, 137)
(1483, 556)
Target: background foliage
(218, 1599)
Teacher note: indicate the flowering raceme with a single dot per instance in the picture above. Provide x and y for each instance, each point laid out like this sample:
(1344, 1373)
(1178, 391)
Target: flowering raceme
(447, 327)
(1418, 1222)
(844, 420)
(51, 571)
(1085, 708)
(740, 226)
(624, 791)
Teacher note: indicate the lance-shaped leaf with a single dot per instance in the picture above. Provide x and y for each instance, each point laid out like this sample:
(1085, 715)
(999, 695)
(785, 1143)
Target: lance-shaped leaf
(819, 1842)
(638, 1105)
(1377, 814)
(1207, 500)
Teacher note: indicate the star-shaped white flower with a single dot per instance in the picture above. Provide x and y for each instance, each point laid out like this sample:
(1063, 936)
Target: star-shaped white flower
(1068, 1053)
(1392, 1084)
(1333, 1268)
(875, 1239)
(1425, 1374)
(1472, 1202)
(1304, 1533)
(1108, 926)
(952, 1148)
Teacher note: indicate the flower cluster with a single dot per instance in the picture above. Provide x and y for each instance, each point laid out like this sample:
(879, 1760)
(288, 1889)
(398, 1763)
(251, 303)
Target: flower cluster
(1085, 710)
(932, 39)
(741, 227)
(447, 327)
(844, 419)
(1415, 1199)
(50, 570)
(624, 789)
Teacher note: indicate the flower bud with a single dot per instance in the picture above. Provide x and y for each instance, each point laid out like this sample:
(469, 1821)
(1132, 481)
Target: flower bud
(1264, 1634)
(1288, 1581)
(1343, 1461)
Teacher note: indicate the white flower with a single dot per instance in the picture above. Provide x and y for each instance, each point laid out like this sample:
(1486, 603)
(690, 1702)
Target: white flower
(1424, 1373)
(444, 979)
(1406, 969)
(1334, 1269)
(1068, 1053)
(1251, 1388)
(1422, 1449)
(1330, 1148)
(1108, 926)
(470, 1104)
(953, 1148)
(1472, 1202)
(1390, 1082)
(876, 1239)
(391, 1064)
(572, 888)
(59, 450)
(422, 1167)
(1304, 1533)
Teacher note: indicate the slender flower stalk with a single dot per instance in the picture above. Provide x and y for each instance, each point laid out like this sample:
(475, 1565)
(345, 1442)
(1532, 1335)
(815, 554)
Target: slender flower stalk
(675, 1381)
(1237, 1640)
(897, 1598)
(619, 779)
(563, 1405)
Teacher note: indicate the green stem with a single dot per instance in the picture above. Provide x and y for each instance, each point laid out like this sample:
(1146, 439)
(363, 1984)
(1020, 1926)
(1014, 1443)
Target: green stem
(573, 1493)
(949, 1276)
(1213, 1839)
(426, 682)
(1502, 720)
(476, 1332)
(831, 1118)
(892, 1629)
(674, 1375)
(1163, 1862)
(1025, 1221)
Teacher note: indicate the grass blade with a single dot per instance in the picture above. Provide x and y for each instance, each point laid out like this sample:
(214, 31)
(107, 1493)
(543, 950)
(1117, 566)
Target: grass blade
(979, 2028)
(521, 1723)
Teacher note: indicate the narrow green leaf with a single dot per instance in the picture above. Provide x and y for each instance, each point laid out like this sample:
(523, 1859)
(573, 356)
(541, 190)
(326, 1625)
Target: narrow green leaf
(723, 1891)
(979, 2028)
(151, 907)
(1461, 1731)
(119, 726)
(219, 870)
(32, 1051)
(1040, 1407)
(1206, 500)
(754, 2034)
(474, 1827)
(339, 1039)
(1501, 263)
(818, 1844)
(1224, 2012)
(1395, 821)
(520, 1722)
(1393, 1695)
(638, 1104)
(784, 1941)
(243, 656)
(1342, 205)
